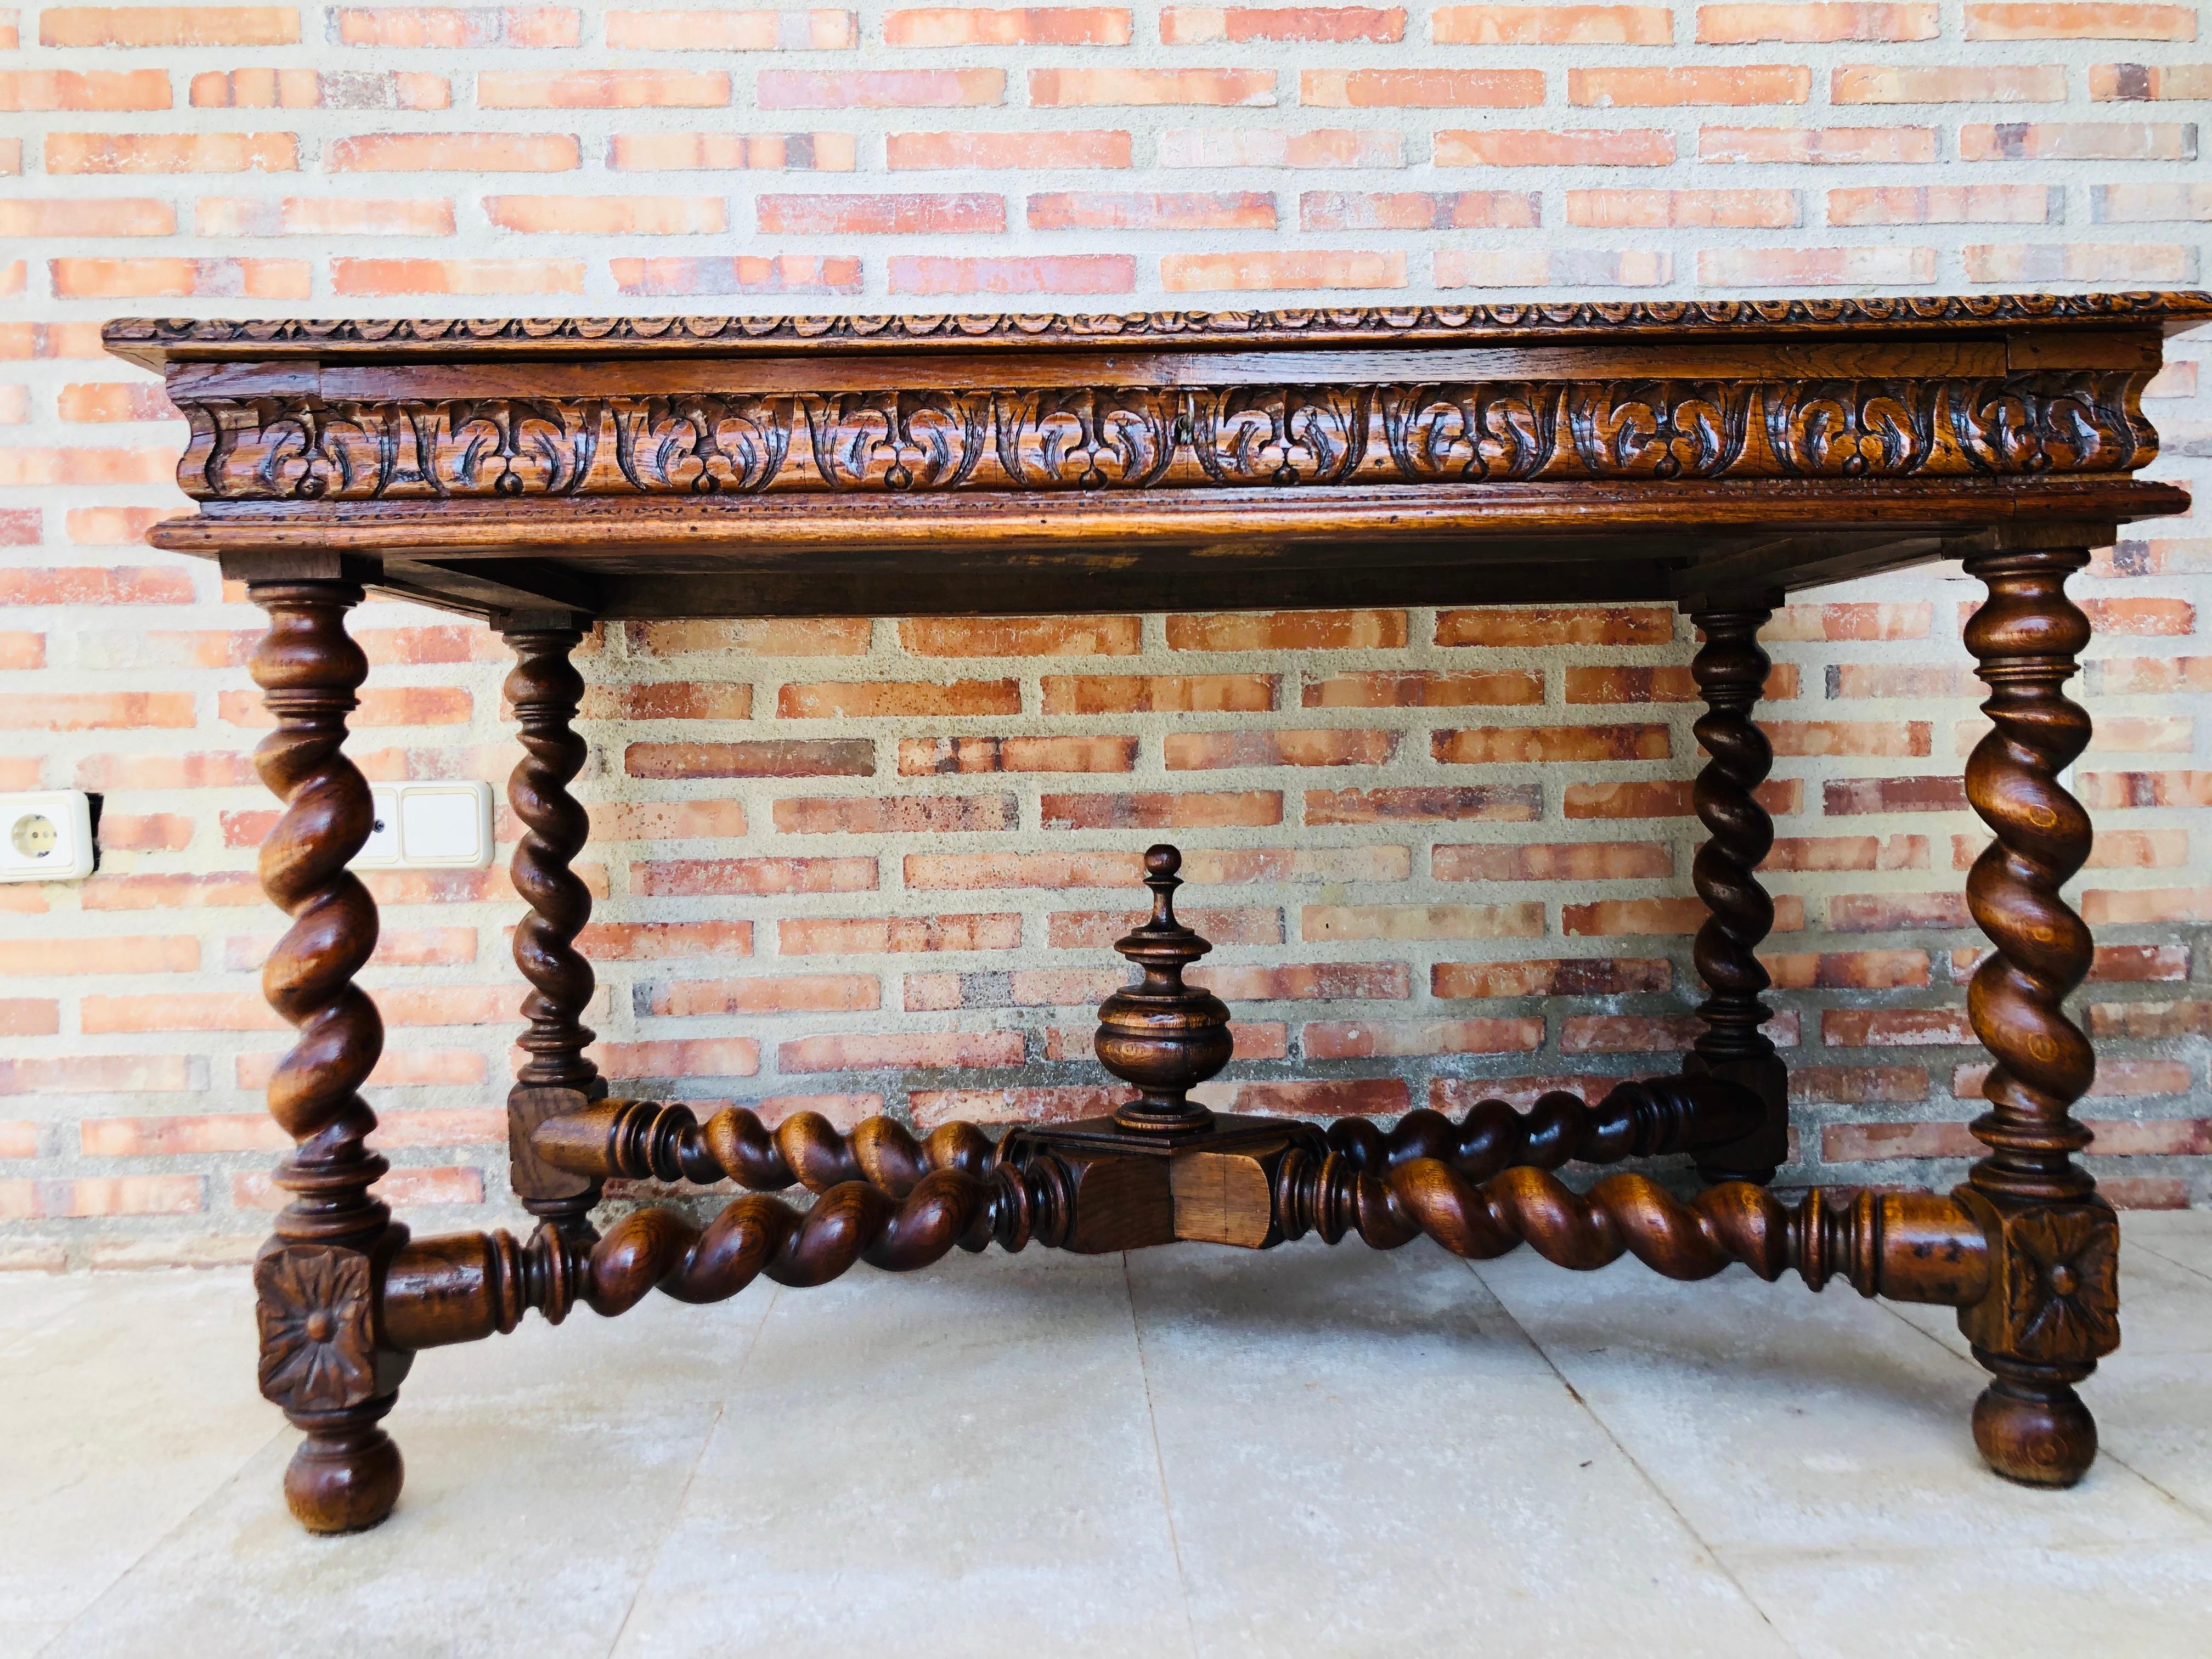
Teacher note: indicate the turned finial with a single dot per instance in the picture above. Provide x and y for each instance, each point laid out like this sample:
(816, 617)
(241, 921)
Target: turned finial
(1161, 1034)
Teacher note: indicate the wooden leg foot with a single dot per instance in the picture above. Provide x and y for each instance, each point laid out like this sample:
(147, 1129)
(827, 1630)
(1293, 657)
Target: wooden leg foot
(346, 1475)
(2030, 1424)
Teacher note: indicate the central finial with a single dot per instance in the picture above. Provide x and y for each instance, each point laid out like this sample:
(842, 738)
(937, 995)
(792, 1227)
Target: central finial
(1162, 1036)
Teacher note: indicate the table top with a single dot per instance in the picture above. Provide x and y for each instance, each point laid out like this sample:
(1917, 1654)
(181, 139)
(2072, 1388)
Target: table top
(1600, 451)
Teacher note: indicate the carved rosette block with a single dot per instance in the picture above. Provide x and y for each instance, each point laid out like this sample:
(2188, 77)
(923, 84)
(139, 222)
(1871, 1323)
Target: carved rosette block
(1160, 1034)
(1730, 671)
(2052, 1310)
(320, 1359)
(555, 1076)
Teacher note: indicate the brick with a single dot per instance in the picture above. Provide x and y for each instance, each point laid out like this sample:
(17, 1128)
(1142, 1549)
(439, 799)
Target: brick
(1622, 684)
(627, 89)
(1854, 1086)
(454, 152)
(1816, 267)
(733, 152)
(1553, 625)
(91, 711)
(680, 820)
(743, 274)
(1152, 210)
(2068, 20)
(2140, 83)
(459, 26)
(168, 26)
(815, 30)
(892, 698)
(1246, 808)
(903, 1050)
(1563, 267)
(1628, 1034)
(694, 877)
(83, 90)
(896, 814)
(1428, 689)
(678, 1058)
(117, 1195)
(1238, 147)
(2141, 617)
(1643, 209)
(1301, 268)
(380, 278)
(71, 153)
(322, 215)
(28, 1017)
(607, 215)
(1090, 273)
(668, 700)
(1497, 745)
(999, 151)
(306, 88)
(1466, 803)
(1946, 205)
(1021, 636)
(96, 585)
(794, 993)
(933, 1106)
(102, 1074)
(2078, 141)
(1880, 1028)
(1053, 88)
(882, 215)
(1031, 26)
(2121, 204)
(1661, 800)
(1848, 970)
(927, 871)
(1344, 1097)
(921, 758)
(1815, 21)
(1890, 913)
(100, 217)
(2104, 907)
(1552, 26)
(2080, 262)
(1571, 976)
(1193, 26)
(1143, 693)
(1324, 923)
(880, 89)
(756, 637)
(1097, 930)
(1816, 146)
(1829, 853)
(2006, 83)
(1355, 1039)
(1631, 88)
(249, 279)
(879, 935)
(653, 941)
(20, 651)
(772, 757)
(110, 465)
(1587, 861)
(1520, 147)
(112, 954)
(1461, 209)
(1198, 751)
(1381, 88)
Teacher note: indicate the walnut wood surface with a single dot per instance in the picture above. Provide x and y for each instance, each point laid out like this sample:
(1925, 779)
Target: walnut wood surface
(320, 1358)
(2052, 1312)
(755, 466)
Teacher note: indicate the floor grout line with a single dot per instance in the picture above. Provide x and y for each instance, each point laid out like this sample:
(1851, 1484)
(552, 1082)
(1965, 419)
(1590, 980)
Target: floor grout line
(691, 1475)
(2171, 1260)
(1159, 1456)
(1711, 1552)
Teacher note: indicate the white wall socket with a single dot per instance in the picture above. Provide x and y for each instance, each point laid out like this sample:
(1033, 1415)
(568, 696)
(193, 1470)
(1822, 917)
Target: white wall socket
(428, 826)
(46, 836)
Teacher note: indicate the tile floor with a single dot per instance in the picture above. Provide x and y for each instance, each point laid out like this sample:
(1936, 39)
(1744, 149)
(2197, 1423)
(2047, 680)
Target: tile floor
(1185, 1452)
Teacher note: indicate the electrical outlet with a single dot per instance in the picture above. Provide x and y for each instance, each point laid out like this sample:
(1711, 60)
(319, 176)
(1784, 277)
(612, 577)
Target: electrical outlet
(428, 826)
(46, 836)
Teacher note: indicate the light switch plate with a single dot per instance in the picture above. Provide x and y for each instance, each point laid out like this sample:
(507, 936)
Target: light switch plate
(428, 826)
(46, 836)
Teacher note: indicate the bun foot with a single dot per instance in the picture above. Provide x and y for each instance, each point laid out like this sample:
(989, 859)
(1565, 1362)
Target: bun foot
(346, 1475)
(2030, 1424)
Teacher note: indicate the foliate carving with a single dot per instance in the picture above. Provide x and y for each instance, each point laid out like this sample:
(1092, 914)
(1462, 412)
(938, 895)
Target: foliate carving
(283, 448)
(2054, 1288)
(317, 1342)
(1365, 323)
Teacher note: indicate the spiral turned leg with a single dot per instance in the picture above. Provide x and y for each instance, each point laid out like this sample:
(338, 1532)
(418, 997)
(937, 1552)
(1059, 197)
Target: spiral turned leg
(1730, 671)
(315, 1280)
(2052, 1310)
(555, 1076)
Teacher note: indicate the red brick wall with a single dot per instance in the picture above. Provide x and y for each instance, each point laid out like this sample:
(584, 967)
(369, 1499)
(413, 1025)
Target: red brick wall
(862, 864)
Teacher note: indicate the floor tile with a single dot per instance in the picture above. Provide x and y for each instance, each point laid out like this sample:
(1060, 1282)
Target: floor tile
(958, 1462)
(2117, 1601)
(1365, 1455)
(542, 1469)
(138, 1389)
(1776, 1418)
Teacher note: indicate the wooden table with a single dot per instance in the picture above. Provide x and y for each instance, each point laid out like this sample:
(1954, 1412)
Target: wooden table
(544, 475)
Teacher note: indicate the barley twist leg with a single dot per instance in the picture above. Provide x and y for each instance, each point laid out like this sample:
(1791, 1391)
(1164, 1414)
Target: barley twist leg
(2053, 1308)
(315, 1279)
